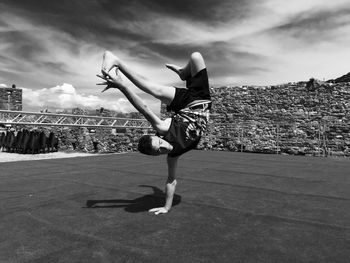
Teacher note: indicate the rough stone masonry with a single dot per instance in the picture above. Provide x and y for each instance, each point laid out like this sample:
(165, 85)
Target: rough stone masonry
(11, 98)
(287, 118)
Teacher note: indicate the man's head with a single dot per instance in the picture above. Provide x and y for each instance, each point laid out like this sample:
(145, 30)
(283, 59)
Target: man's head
(154, 145)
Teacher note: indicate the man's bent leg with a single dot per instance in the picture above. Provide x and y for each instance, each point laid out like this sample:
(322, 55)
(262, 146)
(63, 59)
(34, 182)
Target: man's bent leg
(194, 65)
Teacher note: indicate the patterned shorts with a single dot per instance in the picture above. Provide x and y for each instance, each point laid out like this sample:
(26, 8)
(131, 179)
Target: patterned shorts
(197, 120)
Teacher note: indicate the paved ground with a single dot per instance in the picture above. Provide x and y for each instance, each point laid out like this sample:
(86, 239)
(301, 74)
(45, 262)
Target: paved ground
(230, 207)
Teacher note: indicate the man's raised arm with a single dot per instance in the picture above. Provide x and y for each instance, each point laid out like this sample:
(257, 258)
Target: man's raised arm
(134, 99)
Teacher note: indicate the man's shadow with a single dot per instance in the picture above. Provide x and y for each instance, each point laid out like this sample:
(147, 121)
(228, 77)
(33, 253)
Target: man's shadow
(139, 204)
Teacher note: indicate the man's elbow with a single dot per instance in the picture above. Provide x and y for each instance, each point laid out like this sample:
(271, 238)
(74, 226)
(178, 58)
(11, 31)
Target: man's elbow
(162, 127)
(172, 181)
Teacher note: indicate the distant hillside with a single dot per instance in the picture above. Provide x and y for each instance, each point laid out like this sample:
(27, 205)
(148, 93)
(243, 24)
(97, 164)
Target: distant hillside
(344, 78)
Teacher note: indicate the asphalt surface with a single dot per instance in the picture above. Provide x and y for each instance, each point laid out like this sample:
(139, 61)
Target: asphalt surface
(229, 207)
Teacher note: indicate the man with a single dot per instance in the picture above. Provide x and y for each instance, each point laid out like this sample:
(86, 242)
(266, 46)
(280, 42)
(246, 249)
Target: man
(191, 106)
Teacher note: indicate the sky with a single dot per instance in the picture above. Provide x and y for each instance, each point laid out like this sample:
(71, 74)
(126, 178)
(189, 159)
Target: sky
(53, 49)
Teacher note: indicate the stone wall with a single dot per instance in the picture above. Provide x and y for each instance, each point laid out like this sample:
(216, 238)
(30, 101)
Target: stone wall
(10, 99)
(291, 118)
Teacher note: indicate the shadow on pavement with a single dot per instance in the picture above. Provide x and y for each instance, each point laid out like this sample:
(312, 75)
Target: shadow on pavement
(139, 204)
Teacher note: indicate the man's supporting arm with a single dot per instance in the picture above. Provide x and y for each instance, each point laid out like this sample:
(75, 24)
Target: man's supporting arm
(169, 188)
(171, 182)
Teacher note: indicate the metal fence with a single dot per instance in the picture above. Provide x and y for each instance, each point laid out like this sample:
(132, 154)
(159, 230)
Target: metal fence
(68, 120)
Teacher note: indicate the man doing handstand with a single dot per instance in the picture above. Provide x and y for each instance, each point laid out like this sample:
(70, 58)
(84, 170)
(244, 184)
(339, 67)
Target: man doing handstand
(191, 106)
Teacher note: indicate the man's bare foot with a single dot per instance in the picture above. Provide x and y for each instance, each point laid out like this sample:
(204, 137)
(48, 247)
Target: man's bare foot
(178, 70)
(109, 61)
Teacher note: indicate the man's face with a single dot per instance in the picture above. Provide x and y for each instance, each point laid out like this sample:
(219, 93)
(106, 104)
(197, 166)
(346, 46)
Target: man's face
(160, 146)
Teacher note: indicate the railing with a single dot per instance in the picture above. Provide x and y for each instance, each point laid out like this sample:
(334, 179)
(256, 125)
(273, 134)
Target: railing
(69, 120)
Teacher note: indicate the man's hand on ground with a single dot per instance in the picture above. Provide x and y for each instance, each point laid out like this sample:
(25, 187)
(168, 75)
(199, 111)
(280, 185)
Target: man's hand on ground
(158, 210)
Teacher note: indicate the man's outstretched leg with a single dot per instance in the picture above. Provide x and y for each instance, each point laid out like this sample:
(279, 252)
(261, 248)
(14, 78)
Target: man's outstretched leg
(162, 92)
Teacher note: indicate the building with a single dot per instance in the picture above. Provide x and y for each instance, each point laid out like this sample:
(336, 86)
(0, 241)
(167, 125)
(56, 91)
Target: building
(11, 98)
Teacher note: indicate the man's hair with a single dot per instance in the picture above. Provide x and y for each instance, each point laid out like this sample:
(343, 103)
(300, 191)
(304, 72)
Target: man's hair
(145, 145)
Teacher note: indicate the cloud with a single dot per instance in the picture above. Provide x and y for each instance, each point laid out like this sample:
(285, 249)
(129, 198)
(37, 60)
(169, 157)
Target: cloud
(244, 42)
(314, 27)
(65, 96)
